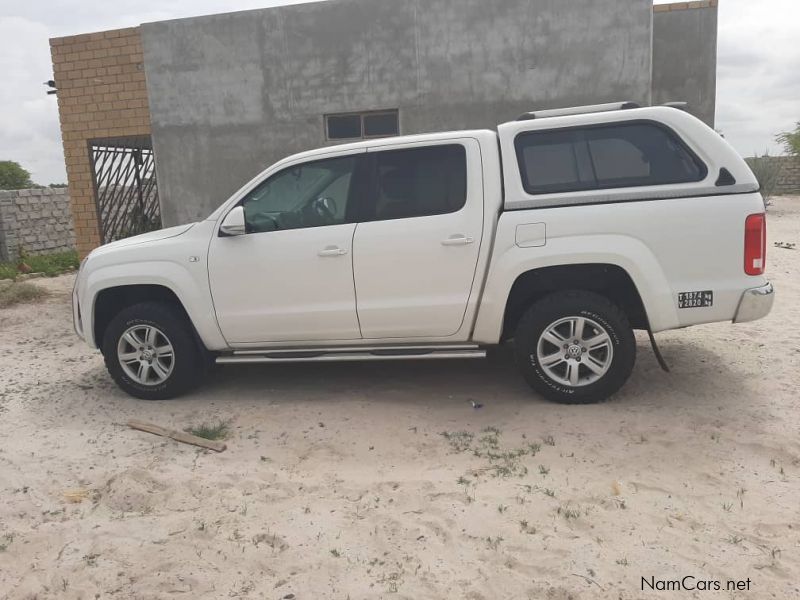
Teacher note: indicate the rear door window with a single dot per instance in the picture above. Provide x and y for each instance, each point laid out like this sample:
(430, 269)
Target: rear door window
(418, 182)
(607, 156)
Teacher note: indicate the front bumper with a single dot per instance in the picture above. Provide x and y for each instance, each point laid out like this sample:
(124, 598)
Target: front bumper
(77, 320)
(755, 303)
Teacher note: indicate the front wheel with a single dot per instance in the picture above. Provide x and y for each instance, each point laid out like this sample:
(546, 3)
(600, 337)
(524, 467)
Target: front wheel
(575, 347)
(150, 351)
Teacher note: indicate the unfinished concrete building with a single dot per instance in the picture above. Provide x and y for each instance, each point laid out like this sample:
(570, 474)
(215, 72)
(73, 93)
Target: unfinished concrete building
(162, 122)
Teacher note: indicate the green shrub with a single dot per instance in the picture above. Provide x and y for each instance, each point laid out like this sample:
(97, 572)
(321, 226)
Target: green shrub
(7, 271)
(790, 140)
(767, 172)
(53, 264)
(49, 264)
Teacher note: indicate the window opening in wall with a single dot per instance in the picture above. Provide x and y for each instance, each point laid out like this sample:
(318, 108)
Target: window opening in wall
(363, 125)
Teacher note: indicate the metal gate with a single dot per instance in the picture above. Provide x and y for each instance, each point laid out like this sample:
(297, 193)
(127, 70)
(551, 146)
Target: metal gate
(124, 177)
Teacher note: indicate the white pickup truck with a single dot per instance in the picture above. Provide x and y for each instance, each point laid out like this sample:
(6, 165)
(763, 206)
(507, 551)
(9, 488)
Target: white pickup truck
(563, 231)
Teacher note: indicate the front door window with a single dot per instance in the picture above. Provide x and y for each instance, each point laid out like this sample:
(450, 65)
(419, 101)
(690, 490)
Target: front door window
(312, 194)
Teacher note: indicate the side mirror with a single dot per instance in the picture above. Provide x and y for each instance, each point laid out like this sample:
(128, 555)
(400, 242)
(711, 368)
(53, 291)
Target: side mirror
(233, 223)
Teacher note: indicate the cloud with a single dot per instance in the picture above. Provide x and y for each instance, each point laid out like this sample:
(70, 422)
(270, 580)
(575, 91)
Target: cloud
(29, 126)
(29, 129)
(758, 76)
(758, 85)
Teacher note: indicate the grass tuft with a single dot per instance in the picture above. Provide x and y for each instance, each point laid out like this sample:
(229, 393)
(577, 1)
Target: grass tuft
(53, 264)
(19, 293)
(568, 512)
(525, 527)
(459, 440)
(493, 543)
(49, 264)
(735, 539)
(7, 271)
(218, 431)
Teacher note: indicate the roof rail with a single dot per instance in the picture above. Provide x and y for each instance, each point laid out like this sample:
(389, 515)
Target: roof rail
(679, 105)
(577, 110)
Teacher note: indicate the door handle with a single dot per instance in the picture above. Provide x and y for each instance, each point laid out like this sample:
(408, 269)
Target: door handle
(458, 239)
(332, 251)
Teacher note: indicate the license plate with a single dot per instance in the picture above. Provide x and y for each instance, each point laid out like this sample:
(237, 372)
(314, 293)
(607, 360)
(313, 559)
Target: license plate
(696, 299)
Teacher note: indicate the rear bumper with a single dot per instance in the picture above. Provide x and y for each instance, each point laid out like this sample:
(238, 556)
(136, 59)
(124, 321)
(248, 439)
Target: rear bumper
(755, 303)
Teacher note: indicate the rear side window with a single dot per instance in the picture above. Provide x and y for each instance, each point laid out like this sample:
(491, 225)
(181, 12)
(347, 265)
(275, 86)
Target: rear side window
(419, 182)
(601, 157)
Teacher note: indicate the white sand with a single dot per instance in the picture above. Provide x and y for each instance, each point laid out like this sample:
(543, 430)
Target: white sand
(337, 483)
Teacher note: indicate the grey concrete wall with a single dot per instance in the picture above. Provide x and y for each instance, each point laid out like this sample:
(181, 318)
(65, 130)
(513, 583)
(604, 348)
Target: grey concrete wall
(685, 57)
(37, 221)
(230, 94)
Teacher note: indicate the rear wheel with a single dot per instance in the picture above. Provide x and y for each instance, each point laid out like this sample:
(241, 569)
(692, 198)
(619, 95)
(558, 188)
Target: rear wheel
(150, 351)
(575, 347)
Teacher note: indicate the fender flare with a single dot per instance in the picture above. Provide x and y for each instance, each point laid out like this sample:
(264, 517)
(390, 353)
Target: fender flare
(628, 253)
(193, 296)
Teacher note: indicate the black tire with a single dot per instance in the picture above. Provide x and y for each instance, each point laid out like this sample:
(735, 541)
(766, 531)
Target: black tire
(188, 366)
(561, 305)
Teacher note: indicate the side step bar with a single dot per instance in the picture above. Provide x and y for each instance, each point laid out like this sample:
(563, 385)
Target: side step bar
(351, 354)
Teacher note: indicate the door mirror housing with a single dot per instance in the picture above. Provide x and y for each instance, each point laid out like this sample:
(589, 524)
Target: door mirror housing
(233, 223)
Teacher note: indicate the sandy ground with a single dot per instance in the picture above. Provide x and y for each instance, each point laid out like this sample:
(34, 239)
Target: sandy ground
(338, 483)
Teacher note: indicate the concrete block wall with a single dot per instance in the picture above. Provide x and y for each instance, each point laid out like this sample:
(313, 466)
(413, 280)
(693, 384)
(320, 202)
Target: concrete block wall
(789, 178)
(35, 221)
(101, 93)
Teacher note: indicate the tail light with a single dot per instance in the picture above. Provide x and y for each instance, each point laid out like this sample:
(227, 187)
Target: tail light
(755, 244)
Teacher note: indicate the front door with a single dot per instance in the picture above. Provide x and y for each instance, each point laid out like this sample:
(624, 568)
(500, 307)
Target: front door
(290, 277)
(416, 249)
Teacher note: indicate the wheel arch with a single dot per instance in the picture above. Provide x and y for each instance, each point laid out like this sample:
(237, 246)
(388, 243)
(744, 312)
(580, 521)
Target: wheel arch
(144, 280)
(606, 279)
(111, 300)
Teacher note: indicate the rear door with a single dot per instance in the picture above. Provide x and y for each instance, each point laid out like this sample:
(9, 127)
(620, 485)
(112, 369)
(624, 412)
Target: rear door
(416, 247)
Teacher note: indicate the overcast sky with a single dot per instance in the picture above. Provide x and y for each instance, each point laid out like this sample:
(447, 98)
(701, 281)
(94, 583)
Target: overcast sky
(758, 76)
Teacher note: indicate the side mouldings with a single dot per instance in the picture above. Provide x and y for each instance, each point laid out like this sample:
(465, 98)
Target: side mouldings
(637, 195)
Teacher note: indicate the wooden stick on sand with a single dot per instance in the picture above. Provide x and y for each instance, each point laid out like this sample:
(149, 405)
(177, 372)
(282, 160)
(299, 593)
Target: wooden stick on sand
(179, 436)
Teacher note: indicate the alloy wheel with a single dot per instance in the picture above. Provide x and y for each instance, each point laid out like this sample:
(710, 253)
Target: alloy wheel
(575, 351)
(146, 354)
